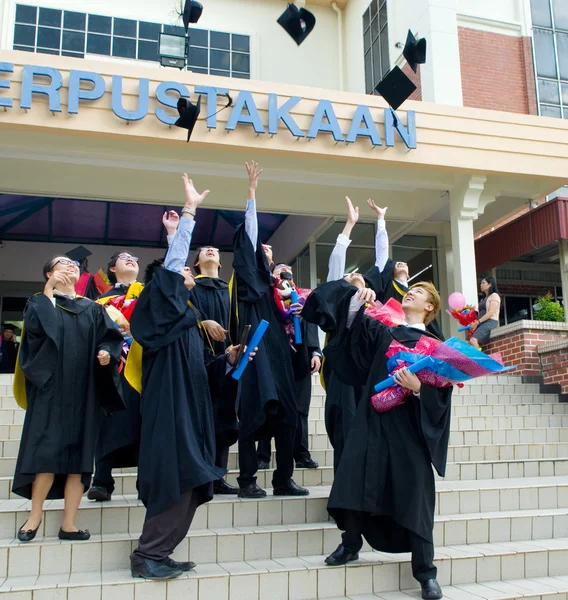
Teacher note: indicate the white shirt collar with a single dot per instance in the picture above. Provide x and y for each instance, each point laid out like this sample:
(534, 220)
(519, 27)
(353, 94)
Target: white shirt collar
(117, 285)
(420, 326)
(62, 295)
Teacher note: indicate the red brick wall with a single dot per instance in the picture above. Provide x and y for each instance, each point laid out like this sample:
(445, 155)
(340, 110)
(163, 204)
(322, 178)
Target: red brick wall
(415, 78)
(555, 368)
(496, 72)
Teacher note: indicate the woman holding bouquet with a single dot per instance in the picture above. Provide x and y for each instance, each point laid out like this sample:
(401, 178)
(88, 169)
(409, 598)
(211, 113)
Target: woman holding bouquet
(488, 313)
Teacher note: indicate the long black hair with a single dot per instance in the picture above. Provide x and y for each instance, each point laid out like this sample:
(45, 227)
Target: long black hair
(493, 289)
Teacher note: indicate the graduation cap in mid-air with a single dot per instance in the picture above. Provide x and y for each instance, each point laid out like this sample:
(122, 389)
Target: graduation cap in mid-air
(414, 51)
(191, 13)
(395, 87)
(188, 113)
(80, 254)
(298, 22)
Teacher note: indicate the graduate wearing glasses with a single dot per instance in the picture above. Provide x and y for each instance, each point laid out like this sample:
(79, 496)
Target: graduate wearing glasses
(66, 372)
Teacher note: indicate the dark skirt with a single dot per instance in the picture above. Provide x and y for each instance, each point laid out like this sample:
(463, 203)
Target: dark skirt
(483, 332)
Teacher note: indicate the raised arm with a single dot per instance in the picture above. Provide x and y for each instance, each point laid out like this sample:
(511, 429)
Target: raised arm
(338, 257)
(382, 237)
(251, 219)
(179, 248)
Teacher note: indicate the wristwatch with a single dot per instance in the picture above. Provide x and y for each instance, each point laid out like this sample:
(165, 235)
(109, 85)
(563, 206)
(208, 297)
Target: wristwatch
(188, 211)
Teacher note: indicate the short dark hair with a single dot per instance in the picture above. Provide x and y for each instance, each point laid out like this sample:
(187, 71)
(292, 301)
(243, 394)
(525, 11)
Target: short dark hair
(198, 252)
(151, 268)
(111, 263)
(48, 267)
(493, 283)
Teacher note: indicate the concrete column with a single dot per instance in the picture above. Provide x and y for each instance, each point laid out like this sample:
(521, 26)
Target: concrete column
(563, 251)
(446, 269)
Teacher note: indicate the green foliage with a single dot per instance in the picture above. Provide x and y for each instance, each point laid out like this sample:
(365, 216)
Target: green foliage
(547, 309)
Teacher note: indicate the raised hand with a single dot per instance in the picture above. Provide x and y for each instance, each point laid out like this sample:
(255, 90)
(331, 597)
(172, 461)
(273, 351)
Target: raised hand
(380, 211)
(170, 220)
(367, 295)
(59, 277)
(352, 212)
(192, 197)
(254, 173)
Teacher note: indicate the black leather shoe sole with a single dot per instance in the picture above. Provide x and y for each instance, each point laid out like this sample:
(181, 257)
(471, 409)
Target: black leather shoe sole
(334, 562)
(164, 577)
(99, 494)
(291, 492)
(259, 493)
(309, 464)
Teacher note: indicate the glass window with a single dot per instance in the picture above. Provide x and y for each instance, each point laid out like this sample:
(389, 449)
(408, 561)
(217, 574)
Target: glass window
(220, 60)
(24, 48)
(198, 57)
(199, 37)
(174, 29)
(47, 51)
(26, 14)
(123, 47)
(548, 91)
(220, 40)
(74, 20)
(198, 70)
(564, 91)
(124, 28)
(24, 35)
(241, 43)
(544, 50)
(375, 38)
(98, 44)
(237, 75)
(148, 50)
(48, 37)
(73, 54)
(149, 31)
(241, 62)
(49, 17)
(560, 11)
(383, 15)
(540, 10)
(219, 73)
(550, 111)
(517, 309)
(99, 24)
(562, 49)
(73, 41)
(374, 9)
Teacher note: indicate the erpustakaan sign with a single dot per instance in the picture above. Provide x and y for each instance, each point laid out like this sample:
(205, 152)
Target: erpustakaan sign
(243, 112)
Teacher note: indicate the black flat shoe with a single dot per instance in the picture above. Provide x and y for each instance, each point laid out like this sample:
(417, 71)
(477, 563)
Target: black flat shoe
(182, 566)
(291, 489)
(152, 569)
(431, 590)
(341, 556)
(29, 534)
(309, 463)
(98, 493)
(75, 536)
(222, 487)
(251, 491)
(263, 465)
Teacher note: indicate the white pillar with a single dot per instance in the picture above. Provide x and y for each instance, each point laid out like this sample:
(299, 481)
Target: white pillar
(446, 267)
(563, 248)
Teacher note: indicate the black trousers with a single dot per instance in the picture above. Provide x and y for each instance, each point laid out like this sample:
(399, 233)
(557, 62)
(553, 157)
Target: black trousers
(422, 551)
(248, 461)
(221, 454)
(103, 474)
(301, 450)
(162, 533)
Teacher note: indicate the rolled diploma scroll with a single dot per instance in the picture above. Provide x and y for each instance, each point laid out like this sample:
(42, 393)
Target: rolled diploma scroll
(297, 326)
(424, 363)
(254, 342)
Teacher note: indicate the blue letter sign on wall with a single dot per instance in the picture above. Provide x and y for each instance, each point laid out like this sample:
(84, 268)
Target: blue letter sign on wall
(86, 86)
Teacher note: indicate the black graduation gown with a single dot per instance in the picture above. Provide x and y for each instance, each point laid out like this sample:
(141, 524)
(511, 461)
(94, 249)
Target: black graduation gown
(341, 398)
(65, 389)
(9, 354)
(384, 285)
(386, 467)
(177, 442)
(211, 297)
(267, 385)
(119, 433)
(302, 365)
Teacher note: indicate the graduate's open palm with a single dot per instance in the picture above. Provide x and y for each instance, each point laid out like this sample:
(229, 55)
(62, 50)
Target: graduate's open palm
(192, 196)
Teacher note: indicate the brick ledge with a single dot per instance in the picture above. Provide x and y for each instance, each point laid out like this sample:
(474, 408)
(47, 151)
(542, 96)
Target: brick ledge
(552, 346)
(523, 325)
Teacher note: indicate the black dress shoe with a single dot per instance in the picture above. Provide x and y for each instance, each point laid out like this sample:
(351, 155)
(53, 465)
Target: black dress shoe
(222, 487)
(182, 566)
(263, 464)
(75, 536)
(153, 569)
(431, 590)
(251, 491)
(341, 556)
(308, 463)
(98, 493)
(27, 535)
(291, 489)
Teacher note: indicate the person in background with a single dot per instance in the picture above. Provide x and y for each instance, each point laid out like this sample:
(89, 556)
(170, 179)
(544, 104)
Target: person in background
(68, 359)
(8, 348)
(488, 313)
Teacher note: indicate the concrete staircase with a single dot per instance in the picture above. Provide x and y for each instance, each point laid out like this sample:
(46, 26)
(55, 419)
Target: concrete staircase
(501, 528)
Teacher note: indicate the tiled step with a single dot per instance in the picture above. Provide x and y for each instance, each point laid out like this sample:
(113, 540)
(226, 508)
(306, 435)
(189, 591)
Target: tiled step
(541, 564)
(503, 469)
(486, 437)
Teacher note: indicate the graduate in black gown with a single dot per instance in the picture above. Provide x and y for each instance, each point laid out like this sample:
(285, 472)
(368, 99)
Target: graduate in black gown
(384, 486)
(119, 434)
(177, 444)
(267, 406)
(8, 348)
(306, 361)
(68, 360)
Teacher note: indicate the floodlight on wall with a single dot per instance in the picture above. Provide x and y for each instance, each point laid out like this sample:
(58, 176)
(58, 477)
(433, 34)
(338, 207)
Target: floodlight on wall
(173, 50)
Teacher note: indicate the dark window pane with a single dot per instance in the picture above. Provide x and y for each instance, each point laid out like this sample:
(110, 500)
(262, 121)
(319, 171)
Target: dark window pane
(376, 53)
(385, 64)
(174, 29)
(560, 11)
(220, 40)
(241, 43)
(48, 51)
(241, 62)
(374, 8)
(383, 15)
(540, 10)
(148, 50)
(550, 111)
(544, 50)
(548, 91)
(74, 20)
(74, 41)
(368, 73)
(221, 73)
(374, 29)
(100, 24)
(123, 47)
(24, 48)
(366, 20)
(562, 49)
(197, 70)
(50, 17)
(517, 309)
(149, 31)
(73, 54)
(564, 92)
(367, 40)
(220, 60)
(241, 75)
(48, 38)
(98, 44)
(199, 37)
(124, 27)
(198, 57)
(26, 14)
(24, 34)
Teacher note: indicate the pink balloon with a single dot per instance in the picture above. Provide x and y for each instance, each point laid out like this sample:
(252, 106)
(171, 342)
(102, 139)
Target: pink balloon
(456, 301)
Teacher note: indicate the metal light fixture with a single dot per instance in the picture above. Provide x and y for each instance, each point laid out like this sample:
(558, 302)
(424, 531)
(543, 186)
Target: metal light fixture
(173, 50)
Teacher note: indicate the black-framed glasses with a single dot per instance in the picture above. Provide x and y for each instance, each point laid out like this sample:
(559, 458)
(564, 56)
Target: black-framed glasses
(128, 257)
(65, 262)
